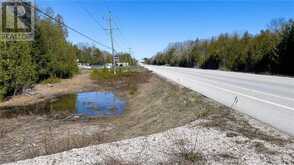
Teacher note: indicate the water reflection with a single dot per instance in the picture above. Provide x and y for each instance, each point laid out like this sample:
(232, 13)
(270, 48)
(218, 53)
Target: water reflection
(97, 104)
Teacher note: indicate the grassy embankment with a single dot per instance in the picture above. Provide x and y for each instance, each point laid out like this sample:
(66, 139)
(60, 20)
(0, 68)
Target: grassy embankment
(125, 78)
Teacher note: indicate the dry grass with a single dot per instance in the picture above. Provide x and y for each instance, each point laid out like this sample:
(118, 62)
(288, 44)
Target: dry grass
(52, 80)
(185, 154)
(124, 79)
(118, 160)
(115, 161)
(3, 131)
(51, 143)
(261, 148)
(227, 120)
(183, 151)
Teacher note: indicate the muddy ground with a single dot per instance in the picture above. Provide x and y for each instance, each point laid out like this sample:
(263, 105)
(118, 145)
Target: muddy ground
(155, 106)
(43, 92)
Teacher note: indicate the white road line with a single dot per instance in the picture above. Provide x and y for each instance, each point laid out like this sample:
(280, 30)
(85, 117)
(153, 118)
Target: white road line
(251, 97)
(271, 108)
(237, 93)
(247, 89)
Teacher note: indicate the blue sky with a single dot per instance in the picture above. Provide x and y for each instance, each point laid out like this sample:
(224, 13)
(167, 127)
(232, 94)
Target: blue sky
(147, 26)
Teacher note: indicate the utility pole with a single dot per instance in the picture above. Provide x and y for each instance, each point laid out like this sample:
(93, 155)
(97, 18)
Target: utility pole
(112, 44)
(131, 60)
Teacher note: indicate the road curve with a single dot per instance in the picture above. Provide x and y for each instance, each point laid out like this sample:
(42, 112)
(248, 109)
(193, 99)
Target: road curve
(267, 98)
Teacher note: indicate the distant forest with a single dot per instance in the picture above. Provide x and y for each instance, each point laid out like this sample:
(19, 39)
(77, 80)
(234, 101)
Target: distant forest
(271, 51)
(93, 56)
(50, 55)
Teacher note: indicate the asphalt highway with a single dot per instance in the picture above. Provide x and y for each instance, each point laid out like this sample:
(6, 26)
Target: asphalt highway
(267, 98)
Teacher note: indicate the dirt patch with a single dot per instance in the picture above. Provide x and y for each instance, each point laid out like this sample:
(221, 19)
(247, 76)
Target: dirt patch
(42, 92)
(154, 107)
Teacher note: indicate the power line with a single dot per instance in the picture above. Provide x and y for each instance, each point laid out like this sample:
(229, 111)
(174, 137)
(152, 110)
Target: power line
(107, 7)
(67, 26)
(91, 15)
(94, 19)
(101, 26)
(116, 22)
(114, 57)
(118, 45)
(118, 27)
(120, 32)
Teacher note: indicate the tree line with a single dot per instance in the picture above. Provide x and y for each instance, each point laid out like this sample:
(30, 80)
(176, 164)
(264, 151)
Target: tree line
(24, 63)
(93, 56)
(127, 57)
(270, 51)
(50, 55)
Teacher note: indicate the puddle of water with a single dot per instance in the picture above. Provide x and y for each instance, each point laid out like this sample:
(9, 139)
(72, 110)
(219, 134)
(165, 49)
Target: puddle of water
(99, 104)
(93, 104)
